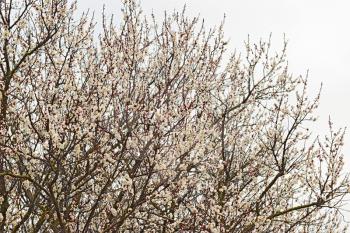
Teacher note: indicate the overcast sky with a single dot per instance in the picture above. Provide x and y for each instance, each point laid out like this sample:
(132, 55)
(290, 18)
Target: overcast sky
(317, 30)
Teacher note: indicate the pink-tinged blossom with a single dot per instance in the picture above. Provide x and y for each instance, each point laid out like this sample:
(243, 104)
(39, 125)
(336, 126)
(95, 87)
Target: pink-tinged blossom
(149, 129)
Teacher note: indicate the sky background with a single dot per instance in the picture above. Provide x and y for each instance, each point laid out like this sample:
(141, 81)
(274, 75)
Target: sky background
(317, 30)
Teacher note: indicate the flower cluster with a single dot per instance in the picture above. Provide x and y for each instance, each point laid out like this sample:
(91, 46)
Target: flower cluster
(148, 129)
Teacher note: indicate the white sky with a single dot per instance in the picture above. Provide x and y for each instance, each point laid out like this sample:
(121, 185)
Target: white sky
(317, 30)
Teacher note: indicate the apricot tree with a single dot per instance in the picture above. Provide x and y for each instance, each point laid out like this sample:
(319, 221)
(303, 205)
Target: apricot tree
(148, 129)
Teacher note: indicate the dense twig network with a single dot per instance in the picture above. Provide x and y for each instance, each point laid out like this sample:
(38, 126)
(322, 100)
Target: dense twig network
(148, 129)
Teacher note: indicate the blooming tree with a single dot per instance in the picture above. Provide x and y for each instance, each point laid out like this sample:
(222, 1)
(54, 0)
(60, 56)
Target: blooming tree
(149, 129)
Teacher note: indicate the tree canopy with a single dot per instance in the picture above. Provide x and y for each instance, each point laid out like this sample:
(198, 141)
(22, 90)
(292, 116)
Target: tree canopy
(147, 128)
